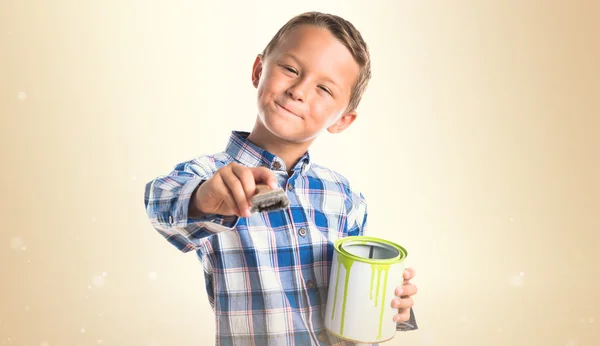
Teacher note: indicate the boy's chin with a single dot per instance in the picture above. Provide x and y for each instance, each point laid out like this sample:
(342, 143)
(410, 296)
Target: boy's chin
(288, 134)
(282, 128)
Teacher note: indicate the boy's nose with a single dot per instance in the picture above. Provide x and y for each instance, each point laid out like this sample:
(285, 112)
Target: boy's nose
(296, 93)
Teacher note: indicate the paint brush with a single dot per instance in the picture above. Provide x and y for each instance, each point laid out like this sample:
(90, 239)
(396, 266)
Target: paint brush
(269, 200)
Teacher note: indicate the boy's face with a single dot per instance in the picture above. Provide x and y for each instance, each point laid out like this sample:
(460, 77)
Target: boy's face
(304, 85)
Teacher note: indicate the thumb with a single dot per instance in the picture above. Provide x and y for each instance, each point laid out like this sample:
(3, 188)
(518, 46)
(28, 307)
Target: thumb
(263, 175)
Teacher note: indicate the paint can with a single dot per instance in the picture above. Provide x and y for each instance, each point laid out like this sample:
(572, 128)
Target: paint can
(365, 272)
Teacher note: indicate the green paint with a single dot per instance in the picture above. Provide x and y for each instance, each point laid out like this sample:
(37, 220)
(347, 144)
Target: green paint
(378, 281)
(337, 279)
(365, 240)
(347, 262)
(372, 276)
(379, 336)
(379, 269)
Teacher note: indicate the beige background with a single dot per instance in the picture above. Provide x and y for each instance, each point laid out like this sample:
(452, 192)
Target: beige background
(477, 147)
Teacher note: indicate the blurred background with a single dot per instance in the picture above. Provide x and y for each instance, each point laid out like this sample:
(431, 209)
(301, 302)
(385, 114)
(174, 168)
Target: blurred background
(477, 146)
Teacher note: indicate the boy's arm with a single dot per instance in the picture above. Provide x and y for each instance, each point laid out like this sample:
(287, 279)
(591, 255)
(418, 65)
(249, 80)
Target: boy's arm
(167, 203)
(411, 324)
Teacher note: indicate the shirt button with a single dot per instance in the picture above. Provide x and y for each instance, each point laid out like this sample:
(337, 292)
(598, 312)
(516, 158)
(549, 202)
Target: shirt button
(276, 165)
(310, 284)
(302, 231)
(321, 336)
(171, 219)
(290, 187)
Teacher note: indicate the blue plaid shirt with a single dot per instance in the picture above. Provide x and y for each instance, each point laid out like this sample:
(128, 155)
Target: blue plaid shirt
(266, 275)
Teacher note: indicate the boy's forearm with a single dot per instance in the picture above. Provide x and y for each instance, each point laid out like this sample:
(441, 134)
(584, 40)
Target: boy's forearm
(215, 222)
(194, 211)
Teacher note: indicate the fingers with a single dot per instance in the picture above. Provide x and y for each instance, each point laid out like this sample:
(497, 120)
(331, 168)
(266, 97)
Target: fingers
(403, 303)
(247, 180)
(409, 273)
(236, 191)
(402, 316)
(240, 182)
(406, 290)
(226, 194)
(263, 175)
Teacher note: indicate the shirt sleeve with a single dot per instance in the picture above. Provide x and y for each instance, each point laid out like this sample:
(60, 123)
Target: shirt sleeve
(167, 200)
(363, 226)
(361, 218)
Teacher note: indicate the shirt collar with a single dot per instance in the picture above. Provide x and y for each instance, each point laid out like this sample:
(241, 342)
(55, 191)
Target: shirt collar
(251, 155)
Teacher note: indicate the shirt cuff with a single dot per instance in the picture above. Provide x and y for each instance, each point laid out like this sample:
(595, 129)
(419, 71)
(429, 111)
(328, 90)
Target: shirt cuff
(214, 222)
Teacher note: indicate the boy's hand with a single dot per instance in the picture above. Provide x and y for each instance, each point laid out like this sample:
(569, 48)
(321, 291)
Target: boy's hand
(230, 190)
(405, 302)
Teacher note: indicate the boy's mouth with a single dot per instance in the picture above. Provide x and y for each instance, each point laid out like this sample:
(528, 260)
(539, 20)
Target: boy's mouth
(287, 110)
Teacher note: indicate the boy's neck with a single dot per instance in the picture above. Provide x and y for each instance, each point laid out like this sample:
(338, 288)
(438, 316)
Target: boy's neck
(289, 152)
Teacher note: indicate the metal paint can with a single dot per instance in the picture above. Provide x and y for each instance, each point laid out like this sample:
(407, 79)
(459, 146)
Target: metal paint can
(365, 272)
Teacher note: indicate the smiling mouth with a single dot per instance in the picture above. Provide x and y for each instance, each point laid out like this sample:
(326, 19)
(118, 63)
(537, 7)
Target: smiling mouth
(287, 110)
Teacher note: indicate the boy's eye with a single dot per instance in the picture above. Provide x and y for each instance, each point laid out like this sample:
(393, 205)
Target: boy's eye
(290, 69)
(326, 90)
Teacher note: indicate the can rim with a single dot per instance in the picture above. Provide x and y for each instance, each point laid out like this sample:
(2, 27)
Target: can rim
(402, 253)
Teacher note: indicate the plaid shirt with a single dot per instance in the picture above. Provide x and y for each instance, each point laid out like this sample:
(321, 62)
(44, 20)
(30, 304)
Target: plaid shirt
(267, 279)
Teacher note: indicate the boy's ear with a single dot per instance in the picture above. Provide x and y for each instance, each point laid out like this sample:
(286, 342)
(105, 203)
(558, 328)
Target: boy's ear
(342, 123)
(257, 70)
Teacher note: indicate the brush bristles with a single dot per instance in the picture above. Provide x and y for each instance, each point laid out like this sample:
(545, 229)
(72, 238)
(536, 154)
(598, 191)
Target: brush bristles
(269, 201)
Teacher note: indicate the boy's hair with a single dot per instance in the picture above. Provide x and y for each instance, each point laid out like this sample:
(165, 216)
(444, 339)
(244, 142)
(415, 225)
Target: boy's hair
(346, 33)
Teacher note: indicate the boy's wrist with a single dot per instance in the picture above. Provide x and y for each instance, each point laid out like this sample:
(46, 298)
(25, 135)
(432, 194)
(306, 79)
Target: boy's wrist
(194, 209)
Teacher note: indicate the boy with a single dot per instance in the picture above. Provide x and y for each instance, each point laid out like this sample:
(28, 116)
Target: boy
(267, 273)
